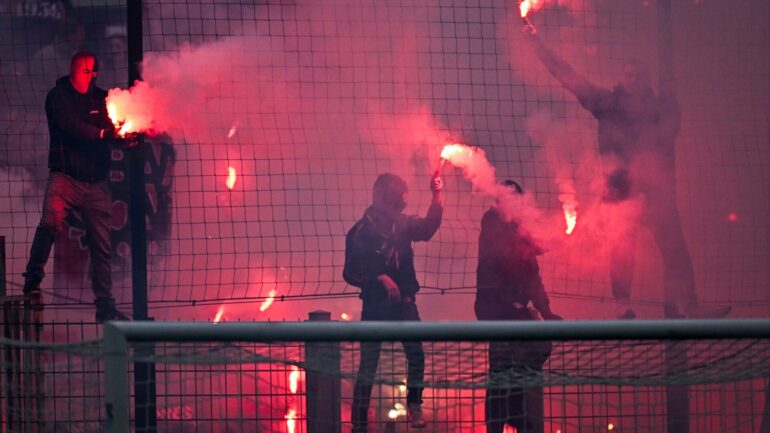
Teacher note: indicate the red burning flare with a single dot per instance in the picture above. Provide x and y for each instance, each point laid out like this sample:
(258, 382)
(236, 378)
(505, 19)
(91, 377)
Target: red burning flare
(119, 120)
(528, 5)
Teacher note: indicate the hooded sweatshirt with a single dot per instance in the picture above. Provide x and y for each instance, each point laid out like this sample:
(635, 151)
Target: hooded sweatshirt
(75, 121)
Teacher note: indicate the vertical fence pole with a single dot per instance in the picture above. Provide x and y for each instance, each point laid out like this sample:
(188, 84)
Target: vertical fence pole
(677, 396)
(322, 383)
(144, 372)
(116, 391)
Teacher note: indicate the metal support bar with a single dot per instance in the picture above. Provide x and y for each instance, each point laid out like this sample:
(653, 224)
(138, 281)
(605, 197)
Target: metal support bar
(322, 378)
(116, 390)
(447, 331)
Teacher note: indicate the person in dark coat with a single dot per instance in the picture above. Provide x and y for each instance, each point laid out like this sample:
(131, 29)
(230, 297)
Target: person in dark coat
(379, 260)
(637, 132)
(81, 134)
(507, 281)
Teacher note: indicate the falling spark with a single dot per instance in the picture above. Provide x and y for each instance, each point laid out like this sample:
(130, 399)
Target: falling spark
(220, 312)
(231, 177)
(293, 379)
(291, 420)
(345, 316)
(268, 302)
(233, 130)
(610, 426)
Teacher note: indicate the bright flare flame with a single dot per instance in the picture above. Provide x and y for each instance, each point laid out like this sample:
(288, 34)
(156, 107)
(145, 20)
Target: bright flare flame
(454, 151)
(267, 302)
(231, 177)
(527, 5)
(294, 379)
(220, 312)
(118, 118)
(291, 420)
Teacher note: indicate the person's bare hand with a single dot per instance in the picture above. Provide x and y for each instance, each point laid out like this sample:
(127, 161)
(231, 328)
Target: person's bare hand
(394, 293)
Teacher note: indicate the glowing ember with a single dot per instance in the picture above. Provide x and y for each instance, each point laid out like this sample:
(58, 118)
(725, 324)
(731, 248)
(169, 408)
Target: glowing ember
(233, 130)
(293, 379)
(291, 420)
(397, 411)
(345, 316)
(268, 302)
(231, 177)
(610, 426)
(220, 312)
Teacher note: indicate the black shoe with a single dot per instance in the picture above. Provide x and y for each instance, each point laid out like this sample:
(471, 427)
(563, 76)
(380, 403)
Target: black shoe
(110, 315)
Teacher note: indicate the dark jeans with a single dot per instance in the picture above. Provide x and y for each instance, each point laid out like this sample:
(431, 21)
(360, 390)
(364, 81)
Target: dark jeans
(62, 195)
(517, 406)
(661, 215)
(370, 357)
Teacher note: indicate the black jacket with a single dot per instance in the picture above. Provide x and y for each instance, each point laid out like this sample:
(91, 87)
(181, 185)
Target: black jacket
(507, 271)
(382, 244)
(75, 121)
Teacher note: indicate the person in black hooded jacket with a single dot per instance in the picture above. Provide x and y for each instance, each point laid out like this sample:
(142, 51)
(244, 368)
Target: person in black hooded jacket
(507, 280)
(380, 261)
(637, 132)
(81, 134)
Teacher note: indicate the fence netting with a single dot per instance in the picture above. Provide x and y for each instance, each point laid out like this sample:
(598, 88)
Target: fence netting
(627, 386)
(272, 120)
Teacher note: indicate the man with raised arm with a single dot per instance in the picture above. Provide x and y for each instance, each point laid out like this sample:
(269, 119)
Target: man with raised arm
(380, 261)
(637, 131)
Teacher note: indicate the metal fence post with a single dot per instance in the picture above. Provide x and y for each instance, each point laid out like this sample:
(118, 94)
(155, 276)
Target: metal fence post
(116, 391)
(322, 379)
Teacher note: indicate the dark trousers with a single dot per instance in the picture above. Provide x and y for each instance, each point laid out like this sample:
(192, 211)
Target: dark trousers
(64, 194)
(370, 357)
(509, 362)
(661, 215)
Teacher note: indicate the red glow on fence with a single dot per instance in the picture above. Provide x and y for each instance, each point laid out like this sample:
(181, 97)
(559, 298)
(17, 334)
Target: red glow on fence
(291, 421)
(732, 217)
(294, 379)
